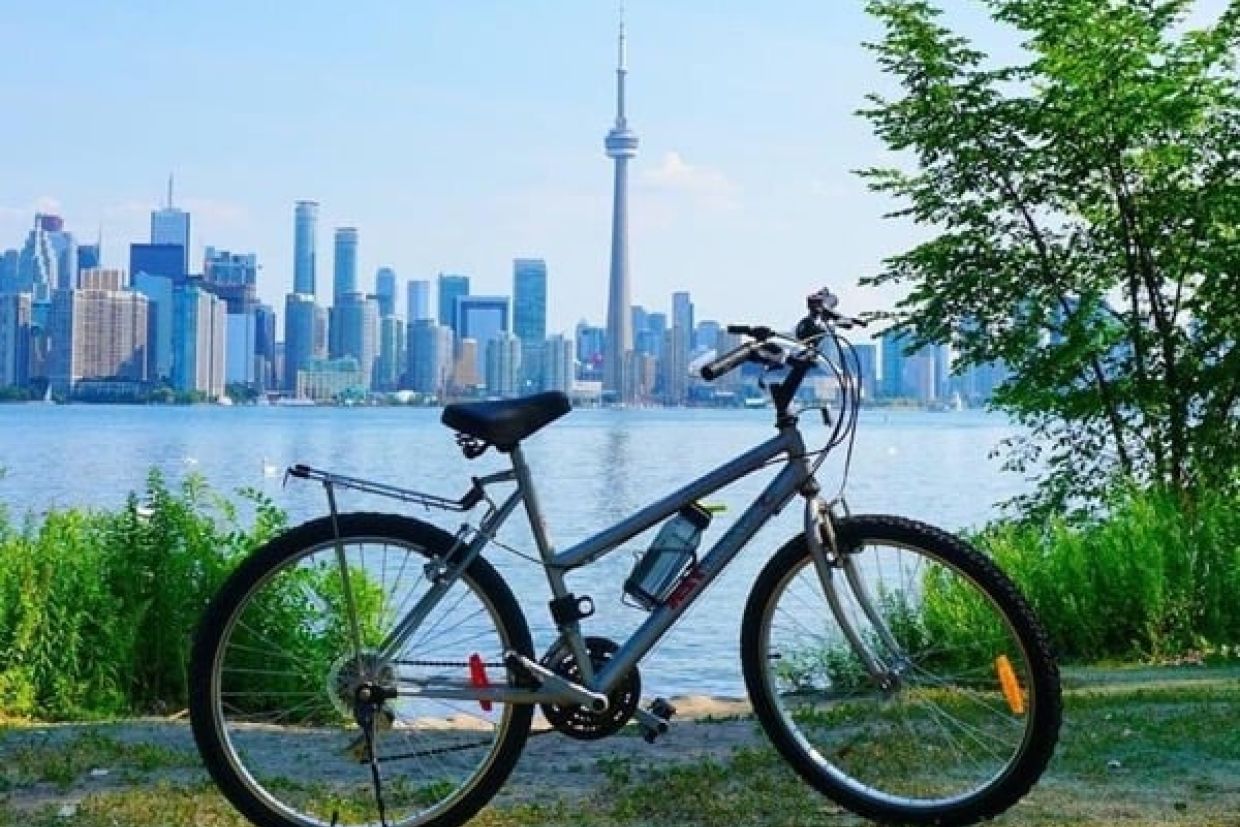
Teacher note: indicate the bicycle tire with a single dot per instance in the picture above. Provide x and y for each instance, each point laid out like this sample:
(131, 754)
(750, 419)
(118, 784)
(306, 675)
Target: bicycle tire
(950, 744)
(272, 635)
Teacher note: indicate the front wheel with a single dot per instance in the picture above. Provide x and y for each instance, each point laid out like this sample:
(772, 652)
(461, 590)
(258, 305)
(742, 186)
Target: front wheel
(285, 650)
(966, 714)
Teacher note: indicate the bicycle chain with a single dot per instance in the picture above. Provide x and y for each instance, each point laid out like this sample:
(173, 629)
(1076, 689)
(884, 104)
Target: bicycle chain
(459, 747)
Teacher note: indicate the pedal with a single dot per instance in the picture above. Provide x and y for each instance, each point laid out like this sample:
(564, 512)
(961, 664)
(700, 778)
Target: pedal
(654, 721)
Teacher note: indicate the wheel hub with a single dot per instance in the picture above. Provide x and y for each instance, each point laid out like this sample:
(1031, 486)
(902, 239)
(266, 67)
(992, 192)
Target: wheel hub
(351, 674)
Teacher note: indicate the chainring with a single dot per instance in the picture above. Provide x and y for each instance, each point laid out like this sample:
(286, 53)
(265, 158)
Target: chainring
(580, 722)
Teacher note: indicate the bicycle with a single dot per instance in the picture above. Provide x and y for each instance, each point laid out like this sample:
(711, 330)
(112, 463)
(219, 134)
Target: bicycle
(372, 667)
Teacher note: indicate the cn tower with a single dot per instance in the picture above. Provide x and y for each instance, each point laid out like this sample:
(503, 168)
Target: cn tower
(621, 145)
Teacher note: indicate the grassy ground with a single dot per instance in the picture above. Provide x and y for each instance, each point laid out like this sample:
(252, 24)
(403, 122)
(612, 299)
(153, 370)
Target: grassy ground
(1139, 747)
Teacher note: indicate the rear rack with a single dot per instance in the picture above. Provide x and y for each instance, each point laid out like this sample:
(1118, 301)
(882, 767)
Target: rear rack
(331, 481)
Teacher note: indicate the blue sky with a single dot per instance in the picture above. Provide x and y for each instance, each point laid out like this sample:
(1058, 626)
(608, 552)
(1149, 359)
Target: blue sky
(458, 135)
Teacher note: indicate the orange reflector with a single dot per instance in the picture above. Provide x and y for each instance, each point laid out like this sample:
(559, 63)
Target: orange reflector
(478, 677)
(1009, 684)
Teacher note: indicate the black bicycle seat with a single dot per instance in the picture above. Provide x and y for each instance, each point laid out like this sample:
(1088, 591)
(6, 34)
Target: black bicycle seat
(506, 422)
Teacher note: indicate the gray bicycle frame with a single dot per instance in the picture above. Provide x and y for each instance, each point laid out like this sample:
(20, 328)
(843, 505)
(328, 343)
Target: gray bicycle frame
(795, 477)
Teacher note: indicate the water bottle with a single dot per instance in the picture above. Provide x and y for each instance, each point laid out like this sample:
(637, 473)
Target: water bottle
(657, 572)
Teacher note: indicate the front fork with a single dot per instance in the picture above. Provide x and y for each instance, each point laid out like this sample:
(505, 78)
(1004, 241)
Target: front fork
(884, 670)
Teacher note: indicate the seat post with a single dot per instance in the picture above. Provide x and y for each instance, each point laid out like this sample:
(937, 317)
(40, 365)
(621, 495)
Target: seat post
(538, 526)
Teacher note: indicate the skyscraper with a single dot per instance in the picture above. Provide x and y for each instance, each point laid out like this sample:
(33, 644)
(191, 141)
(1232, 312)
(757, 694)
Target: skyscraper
(419, 300)
(621, 145)
(48, 260)
(385, 291)
(354, 330)
(557, 368)
(529, 317)
(167, 260)
(430, 356)
(451, 288)
(199, 347)
(97, 334)
(344, 279)
(15, 322)
(503, 365)
(305, 243)
(893, 358)
(170, 225)
(481, 318)
(302, 340)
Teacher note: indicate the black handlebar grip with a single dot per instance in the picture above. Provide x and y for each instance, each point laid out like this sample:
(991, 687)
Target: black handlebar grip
(726, 362)
(738, 329)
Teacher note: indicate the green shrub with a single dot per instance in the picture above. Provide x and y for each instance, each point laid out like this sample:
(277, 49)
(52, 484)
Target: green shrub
(97, 608)
(1157, 578)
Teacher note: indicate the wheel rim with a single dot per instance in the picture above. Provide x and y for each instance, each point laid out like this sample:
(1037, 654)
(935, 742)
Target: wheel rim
(284, 665)
(949, 730)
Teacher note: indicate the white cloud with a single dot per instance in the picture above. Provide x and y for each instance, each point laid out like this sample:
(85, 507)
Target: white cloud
(707, 186)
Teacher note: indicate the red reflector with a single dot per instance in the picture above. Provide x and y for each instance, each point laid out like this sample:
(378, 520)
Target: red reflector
(478, 677)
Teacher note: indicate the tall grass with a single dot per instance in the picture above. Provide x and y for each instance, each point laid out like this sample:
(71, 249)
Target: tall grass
(1157, 578)
(96, 608)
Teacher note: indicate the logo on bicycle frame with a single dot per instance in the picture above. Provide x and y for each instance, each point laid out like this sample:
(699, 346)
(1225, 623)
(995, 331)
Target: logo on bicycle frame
(687, 586)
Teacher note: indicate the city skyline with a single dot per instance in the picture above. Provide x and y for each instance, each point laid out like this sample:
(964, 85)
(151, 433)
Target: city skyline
(499, 161)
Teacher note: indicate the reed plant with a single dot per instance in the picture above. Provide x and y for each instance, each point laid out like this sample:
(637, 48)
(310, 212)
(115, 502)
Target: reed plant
(1154, 579)
(97, 607)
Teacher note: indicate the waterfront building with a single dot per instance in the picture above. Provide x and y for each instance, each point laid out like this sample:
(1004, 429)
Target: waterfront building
(305, 245)
(353, 328)
(418, 300)
(451, 288)
(503, 365)
(481, 318)
(529, 317)
(160, 312)
(621, 146)
(331, 380)
(166, 260)
(674, 380)
(430, 356)
(344, 278)
(385, 291)
(8, 271)
(200, 346)
(265, 347)
(96, 334)
(558, 364)
(15, 329)
(390, 364)
(893, 344)
(241, 355)
(648, 339)
(170, 225)
(303, 336)
(918, 376)
(591, 345)
(867, 359)
(465, 371)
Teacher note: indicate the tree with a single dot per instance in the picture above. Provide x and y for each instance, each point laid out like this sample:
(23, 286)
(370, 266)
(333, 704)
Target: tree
(1086, 205)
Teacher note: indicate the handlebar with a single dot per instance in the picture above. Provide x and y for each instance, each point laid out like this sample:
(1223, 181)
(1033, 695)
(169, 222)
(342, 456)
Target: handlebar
(729, 360)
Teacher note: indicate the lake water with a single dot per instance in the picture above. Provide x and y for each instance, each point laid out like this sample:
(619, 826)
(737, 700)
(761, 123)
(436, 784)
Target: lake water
(593, 467)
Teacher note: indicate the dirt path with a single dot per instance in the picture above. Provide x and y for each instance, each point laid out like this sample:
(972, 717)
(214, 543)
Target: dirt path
(1139, 747)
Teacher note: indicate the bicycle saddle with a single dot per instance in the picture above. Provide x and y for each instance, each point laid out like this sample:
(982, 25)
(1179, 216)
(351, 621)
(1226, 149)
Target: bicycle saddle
(506, 422)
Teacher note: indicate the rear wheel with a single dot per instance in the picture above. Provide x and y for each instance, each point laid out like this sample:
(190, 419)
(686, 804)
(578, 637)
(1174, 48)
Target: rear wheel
(970, 716)
(275, 674)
